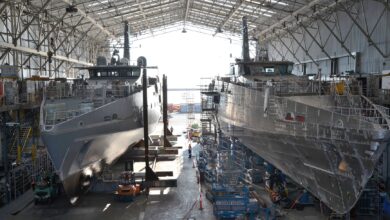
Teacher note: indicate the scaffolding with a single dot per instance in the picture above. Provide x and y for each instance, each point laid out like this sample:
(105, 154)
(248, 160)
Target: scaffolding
(189, 108)
(23, 160)
(22, 175)
(208, 97)
(231, 161)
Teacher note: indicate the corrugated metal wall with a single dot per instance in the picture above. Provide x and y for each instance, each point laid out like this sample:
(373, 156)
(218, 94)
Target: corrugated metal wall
(368, 60)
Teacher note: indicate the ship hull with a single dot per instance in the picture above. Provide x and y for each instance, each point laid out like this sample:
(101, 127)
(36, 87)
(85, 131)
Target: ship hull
(309, 152)
(81, 145)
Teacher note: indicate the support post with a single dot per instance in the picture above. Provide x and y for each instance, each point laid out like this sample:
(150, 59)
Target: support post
(145, 117)
(5, 156)
(149, 174)
(165, 112)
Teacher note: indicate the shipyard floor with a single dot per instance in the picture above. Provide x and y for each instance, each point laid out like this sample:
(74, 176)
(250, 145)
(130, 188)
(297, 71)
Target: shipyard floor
(180, 202)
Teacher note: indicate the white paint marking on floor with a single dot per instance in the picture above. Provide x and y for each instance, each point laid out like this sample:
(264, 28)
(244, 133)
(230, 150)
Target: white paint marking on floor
(141, 216)
(129, 205)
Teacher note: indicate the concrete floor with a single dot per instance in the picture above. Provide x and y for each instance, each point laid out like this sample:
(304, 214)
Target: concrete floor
(162, 204)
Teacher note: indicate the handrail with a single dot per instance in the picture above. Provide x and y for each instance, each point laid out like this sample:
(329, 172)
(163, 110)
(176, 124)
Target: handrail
(96, 97)
(377, 109)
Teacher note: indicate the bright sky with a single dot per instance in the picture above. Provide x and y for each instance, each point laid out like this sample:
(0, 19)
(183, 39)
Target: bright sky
(186, 57)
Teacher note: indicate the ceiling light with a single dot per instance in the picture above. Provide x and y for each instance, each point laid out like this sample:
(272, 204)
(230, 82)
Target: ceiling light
(184, 31)
(278, 2)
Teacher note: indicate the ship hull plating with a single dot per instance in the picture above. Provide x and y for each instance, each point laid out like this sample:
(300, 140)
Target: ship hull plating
(308, 151)
(82, 144)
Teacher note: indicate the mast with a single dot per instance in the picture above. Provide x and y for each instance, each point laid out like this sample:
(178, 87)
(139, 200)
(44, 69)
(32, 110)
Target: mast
(243, 68)
(126, 52)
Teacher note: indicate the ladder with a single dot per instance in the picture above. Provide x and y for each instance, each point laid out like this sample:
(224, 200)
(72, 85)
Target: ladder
(21, 141)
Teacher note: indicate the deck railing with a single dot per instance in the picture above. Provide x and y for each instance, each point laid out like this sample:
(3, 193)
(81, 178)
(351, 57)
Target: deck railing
(90, 99)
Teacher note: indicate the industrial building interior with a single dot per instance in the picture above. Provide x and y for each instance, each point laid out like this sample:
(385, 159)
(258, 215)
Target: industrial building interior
(299, 128)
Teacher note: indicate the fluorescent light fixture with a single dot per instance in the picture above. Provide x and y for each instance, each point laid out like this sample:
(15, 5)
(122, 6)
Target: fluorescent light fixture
(268, 11)
(96, 3)
(267, 15)
(278, 2)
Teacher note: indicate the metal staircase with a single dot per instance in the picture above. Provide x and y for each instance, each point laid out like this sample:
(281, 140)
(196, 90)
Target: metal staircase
(19, 142)
(208, 108)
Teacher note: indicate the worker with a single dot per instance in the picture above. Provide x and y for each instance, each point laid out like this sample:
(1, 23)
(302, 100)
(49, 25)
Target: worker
(189, 150)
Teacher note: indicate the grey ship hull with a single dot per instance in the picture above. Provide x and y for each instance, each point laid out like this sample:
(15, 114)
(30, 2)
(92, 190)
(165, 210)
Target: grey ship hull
(84, 143)
(310, 152)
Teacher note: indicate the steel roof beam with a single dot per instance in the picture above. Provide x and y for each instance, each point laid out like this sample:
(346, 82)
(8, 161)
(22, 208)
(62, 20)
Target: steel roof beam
(144, 16)
(74, 47)
(337, 38)
(26, 26)
(315, 41)
(229, 16)
(276, 49)
(292, 16)
(367, 35)
(305, 19)
(303, 48)
(41, 9)
(289, 50)
(2, 9)
(186, 11)
(45, 37)
(65, 38)
(42, 53)
(93, 21)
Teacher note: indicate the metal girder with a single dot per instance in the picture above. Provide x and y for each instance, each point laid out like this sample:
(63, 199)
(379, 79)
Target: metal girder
(337, 38)
(79, 41)
(229, 16)
(65, 38)
(293, 15)
(15, 39)
(31, 21)
(51, 30)
(187, 9)
(144, 16)
(304, 49)
(74, 47)
(275, 48)
(367, 35)
(3, 7)
(45, 37)
(93, 21)
(292, 53)
(5, 53)
(41, 53)
(385, 3)
(315, 40)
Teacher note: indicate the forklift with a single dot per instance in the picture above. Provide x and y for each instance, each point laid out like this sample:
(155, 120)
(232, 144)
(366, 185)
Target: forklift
(45, 187)
(127, 187)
